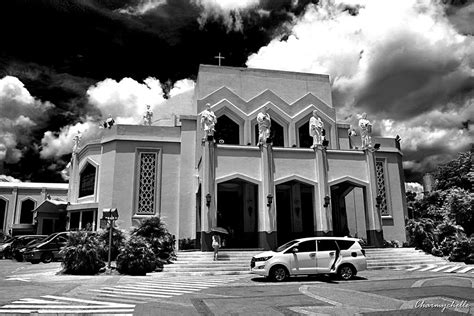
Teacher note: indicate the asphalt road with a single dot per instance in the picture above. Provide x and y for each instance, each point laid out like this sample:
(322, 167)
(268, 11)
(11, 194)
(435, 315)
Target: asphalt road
(38, 288)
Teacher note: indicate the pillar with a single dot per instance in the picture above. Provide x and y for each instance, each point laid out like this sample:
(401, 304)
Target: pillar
(323, 216)
(208, 209)
(267, 234)
(374, 219)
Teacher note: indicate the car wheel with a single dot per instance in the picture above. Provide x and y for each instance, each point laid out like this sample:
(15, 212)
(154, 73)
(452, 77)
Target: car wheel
(346, 272)
(278, 273)
(47, 257)
(19, 257)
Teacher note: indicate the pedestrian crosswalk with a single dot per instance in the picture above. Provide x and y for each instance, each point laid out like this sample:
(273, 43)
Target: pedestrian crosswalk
(446, 268)
(116, 300)
(162, 288)
(50, 304)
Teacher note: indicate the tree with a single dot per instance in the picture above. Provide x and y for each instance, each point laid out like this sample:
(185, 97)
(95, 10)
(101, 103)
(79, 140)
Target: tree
(454, 173)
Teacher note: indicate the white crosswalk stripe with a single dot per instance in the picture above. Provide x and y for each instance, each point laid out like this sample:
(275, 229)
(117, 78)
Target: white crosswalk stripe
(50, 304)
(161, 288)
(439, 268)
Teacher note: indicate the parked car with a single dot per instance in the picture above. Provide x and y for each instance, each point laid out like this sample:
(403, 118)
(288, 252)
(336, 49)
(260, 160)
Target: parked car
(46, 250)
(5, 246)
(19, 245)
(314, 255)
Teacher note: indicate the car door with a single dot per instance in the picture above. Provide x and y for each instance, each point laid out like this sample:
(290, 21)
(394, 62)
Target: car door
(303, 258)
(325, 255)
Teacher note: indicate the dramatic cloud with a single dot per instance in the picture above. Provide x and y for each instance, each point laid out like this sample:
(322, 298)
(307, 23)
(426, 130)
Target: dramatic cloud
(126, 102)
(19, 113)
(403, 63)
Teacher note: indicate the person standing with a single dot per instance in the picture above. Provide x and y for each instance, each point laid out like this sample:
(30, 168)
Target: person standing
(216, 244)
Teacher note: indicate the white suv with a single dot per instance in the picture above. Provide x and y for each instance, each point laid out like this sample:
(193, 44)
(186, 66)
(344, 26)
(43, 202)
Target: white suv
(313, 255)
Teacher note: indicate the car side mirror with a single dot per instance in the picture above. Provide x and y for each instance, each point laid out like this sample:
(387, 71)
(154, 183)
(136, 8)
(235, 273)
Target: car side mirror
(294, 250)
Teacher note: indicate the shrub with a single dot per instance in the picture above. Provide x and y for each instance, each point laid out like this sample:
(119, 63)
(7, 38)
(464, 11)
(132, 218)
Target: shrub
(156, 233)
(81, 255)
(118, 242)
(137, 257)
(461, 250)
(421, 233)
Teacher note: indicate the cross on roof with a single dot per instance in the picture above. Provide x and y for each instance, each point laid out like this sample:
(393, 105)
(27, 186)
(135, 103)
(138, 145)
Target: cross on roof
(219, 57)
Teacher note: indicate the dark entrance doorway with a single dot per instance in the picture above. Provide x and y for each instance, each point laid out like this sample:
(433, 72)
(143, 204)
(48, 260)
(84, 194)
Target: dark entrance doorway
(237, 211)
(348, 210)
(294, 207)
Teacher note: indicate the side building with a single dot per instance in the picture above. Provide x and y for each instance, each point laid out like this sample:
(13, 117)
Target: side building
(32, 208)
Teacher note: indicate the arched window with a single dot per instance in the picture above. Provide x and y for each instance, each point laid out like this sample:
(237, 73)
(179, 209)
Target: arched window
(87, 181)
(276, 134)
(306, 141)
(227, 130)
(3, 212)
(26, 215)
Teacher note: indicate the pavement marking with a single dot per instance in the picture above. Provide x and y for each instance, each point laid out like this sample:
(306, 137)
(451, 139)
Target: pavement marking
(18, 279)
(465, 270)
(162, 287)
(452, 269)
(305, 290)
(51, 304)
(413, 268)
(440, 268)
(429, 267)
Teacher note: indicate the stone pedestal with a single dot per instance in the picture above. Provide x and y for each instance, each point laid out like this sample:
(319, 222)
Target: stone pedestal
(267, 237)
(323, 216)
(374, 219)
(208, 200)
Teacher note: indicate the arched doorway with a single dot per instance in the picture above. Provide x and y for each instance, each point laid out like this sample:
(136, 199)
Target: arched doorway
(294, 208)
(349, 209)
(237, 211)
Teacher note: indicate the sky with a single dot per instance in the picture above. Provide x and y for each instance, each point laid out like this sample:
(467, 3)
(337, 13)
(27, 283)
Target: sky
(65, 65)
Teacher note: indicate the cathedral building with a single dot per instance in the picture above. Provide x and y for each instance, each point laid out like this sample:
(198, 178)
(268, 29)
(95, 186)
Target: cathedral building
(265, 184)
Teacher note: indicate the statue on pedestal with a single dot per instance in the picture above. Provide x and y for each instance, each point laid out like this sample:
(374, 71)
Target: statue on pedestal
(365, 131)
(76, 140)
(264, 123)
(148, 116)
(316, 128)
(208, 121)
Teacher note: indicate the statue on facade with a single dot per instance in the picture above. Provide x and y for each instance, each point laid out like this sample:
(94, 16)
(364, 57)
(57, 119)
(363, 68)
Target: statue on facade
(208, 121)
(264, 123)
(365, 131)
(148, 116)
(351, 132)
(316, 129)
(108, 123)
(76, 140)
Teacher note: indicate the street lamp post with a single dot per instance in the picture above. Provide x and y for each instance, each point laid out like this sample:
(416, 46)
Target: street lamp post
(110, 215)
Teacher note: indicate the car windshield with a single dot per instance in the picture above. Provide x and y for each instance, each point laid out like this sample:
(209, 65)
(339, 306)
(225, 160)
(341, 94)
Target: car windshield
(49, 237)
(288, 244)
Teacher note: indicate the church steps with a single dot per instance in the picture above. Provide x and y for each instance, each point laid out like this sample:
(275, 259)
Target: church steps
(238, 262)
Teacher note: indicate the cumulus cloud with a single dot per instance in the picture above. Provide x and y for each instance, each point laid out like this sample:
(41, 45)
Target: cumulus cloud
(5, 178)
(402, 62)
(230, 11)
(125, 101)
(61, 143)
(20, 112)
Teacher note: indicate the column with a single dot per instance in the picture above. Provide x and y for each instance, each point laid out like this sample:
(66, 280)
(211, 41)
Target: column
(323, 218)
(208, 200)
(374, 219)
(267, 234)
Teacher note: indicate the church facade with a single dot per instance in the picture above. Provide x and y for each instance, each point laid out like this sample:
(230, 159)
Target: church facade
(262, 193)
